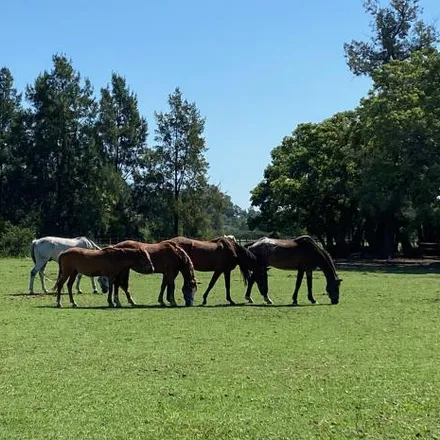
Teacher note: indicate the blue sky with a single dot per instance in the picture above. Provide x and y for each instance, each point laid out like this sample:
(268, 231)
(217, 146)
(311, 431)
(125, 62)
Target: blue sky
(255, 69)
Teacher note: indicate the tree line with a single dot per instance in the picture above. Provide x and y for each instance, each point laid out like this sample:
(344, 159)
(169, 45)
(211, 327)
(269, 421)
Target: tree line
(370, 175)
(74, 164)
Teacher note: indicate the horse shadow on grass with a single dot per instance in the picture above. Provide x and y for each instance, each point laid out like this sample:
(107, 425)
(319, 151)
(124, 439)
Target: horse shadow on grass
(105, 307)
(180, 307)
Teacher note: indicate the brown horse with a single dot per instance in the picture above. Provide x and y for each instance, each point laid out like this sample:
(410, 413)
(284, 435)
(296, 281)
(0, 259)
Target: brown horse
(220, 255)
(302, 253)
(168, 259)
(108, 262)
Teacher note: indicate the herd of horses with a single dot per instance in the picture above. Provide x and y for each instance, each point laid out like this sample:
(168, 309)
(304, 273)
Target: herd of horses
(81, 256)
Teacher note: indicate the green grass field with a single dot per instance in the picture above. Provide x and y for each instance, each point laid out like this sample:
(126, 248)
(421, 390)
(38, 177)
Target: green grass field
(366, 368)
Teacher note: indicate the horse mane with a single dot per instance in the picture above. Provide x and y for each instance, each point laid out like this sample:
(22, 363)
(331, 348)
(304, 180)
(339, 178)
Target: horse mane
(322, 251)
(186, 262)
(246, 259)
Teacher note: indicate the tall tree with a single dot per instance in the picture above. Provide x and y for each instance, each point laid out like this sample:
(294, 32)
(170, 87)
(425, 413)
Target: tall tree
(179, 151)
(397, 31)
(64, 158)
(308, 187)
(122, 129)
(400, 132)
(10, 111)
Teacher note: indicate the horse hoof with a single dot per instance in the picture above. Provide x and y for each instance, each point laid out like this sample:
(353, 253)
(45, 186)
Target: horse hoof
(95, 291)
(79, 292)
(58, 306)
(231, 303)
(268, 301)
(249, 300)
(111, 305)
(295, 304)
(74, 305)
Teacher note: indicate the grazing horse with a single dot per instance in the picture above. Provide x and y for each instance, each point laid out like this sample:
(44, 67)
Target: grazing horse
(168, 259)
(47, 249)
(302, 253)
(221, 256)
(108, 262)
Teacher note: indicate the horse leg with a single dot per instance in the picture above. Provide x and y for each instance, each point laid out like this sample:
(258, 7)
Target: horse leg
(110, 293)
(247, 296)
(170, 291)
(299, 278)
(214, 279)
(59, 285)
(123, 283)
(78, 280)
(95, 289)
(42, 278)
(309, 287)
(69, 288)
(36, 269)
(227, 276)
(116, 294)
(162, 290)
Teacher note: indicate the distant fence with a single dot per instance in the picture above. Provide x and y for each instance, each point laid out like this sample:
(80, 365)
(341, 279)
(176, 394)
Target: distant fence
(431, 249)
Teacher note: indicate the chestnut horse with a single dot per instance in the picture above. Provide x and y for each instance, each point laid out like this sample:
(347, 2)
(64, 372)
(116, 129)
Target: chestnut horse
(221, 256)
(302, 253)
(168, 259)
(108, 262)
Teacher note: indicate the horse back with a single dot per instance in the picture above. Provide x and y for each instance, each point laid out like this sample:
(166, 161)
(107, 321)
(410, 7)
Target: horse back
(217, 254)
(163, 255)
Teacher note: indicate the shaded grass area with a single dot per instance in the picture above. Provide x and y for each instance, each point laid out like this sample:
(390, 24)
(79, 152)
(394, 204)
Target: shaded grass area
(366, 368)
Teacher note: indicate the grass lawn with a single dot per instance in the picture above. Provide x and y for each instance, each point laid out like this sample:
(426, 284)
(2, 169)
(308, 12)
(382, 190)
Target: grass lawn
(366, 368)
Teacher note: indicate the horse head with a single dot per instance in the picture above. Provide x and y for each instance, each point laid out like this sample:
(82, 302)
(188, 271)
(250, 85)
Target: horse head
(333, 290)
(104, 284)
(189, 290)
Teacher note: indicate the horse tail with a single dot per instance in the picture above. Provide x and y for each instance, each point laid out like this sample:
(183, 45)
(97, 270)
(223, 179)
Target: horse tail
(246, 261)
(33, 251)
(55, 287)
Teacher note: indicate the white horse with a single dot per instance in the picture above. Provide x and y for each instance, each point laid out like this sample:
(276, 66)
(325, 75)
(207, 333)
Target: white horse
(47, 249)
(231, 237)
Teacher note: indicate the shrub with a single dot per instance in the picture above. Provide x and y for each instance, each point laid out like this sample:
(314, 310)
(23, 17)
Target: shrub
(15, 241)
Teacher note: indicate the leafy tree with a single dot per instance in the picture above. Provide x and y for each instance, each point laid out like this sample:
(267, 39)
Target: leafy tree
(122, 130)
(179, 153)
(308, 187)
(10, 126)
(64, 159)
(400, 131)
(397, 33)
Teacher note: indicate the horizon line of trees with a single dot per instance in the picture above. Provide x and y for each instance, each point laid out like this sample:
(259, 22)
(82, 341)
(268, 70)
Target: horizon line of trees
(370, 175)
(73, 164)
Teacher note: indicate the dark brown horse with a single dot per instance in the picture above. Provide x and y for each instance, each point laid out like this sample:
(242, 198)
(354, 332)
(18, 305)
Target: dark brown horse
(220, 256)
(108, 262)
(302, 253)
(168, 259)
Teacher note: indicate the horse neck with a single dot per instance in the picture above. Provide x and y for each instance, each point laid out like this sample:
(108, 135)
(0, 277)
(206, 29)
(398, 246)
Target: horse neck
(326, 264)
(186, 266)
